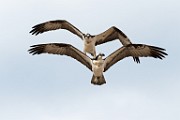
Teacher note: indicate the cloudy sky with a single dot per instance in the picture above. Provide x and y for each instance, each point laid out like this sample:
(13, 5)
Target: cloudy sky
(49, 87)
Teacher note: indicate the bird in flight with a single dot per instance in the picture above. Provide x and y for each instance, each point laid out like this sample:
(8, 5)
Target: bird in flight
(90, 41)
(98, 65)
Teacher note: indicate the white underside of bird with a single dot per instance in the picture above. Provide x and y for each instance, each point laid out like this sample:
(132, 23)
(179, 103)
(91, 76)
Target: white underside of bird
(98, 67)
(89, 46)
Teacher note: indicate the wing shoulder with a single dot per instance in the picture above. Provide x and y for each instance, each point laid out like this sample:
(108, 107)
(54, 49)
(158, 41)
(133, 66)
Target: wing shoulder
(111, 34)
(115, 57)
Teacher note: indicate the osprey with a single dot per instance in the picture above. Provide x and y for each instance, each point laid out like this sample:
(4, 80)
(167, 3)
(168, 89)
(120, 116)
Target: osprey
(98, 65)
(90, 41)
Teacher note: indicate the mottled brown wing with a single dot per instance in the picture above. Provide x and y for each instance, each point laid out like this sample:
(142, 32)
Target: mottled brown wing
(135, 50)
(54, 25)
(111, 34)
(62, 49)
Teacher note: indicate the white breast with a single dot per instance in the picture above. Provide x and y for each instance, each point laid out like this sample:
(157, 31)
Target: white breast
(97, 67)
(89, 45)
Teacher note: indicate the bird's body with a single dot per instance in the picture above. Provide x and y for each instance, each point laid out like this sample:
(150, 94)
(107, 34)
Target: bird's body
(89, 46)
(98, 65)
(98, 69)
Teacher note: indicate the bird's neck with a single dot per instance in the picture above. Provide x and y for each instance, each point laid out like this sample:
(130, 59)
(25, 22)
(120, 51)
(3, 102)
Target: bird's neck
(99, 58)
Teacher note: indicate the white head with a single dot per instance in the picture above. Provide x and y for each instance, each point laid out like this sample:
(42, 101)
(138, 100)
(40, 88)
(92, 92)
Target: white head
(99, 56)
(87, 35)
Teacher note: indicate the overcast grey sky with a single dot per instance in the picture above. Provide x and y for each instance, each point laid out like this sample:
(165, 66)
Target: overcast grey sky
(49, 87)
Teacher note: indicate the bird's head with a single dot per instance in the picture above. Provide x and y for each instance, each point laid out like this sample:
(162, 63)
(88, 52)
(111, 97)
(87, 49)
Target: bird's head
(87, 35)
(99, 56)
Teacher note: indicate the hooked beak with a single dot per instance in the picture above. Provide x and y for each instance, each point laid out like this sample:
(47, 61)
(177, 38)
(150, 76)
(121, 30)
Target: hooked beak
(102, 54)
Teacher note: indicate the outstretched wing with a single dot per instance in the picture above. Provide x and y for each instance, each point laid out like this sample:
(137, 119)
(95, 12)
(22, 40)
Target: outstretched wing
(54, 25)
(62, 49)
(135, 50)
(111, 34)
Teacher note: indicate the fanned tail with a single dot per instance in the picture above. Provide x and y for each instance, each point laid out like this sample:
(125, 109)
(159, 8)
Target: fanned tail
(98, 80)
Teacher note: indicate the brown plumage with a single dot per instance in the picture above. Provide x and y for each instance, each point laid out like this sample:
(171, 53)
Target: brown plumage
(110, 34)
(134, 50)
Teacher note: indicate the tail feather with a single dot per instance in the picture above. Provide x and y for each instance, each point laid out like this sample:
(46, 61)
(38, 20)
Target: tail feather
(98, 80)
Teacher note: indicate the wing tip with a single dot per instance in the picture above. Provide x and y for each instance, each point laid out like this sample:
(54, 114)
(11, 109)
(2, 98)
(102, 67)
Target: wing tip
(39, 48)
(37, 29)
(36, 49)
(158, 52)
